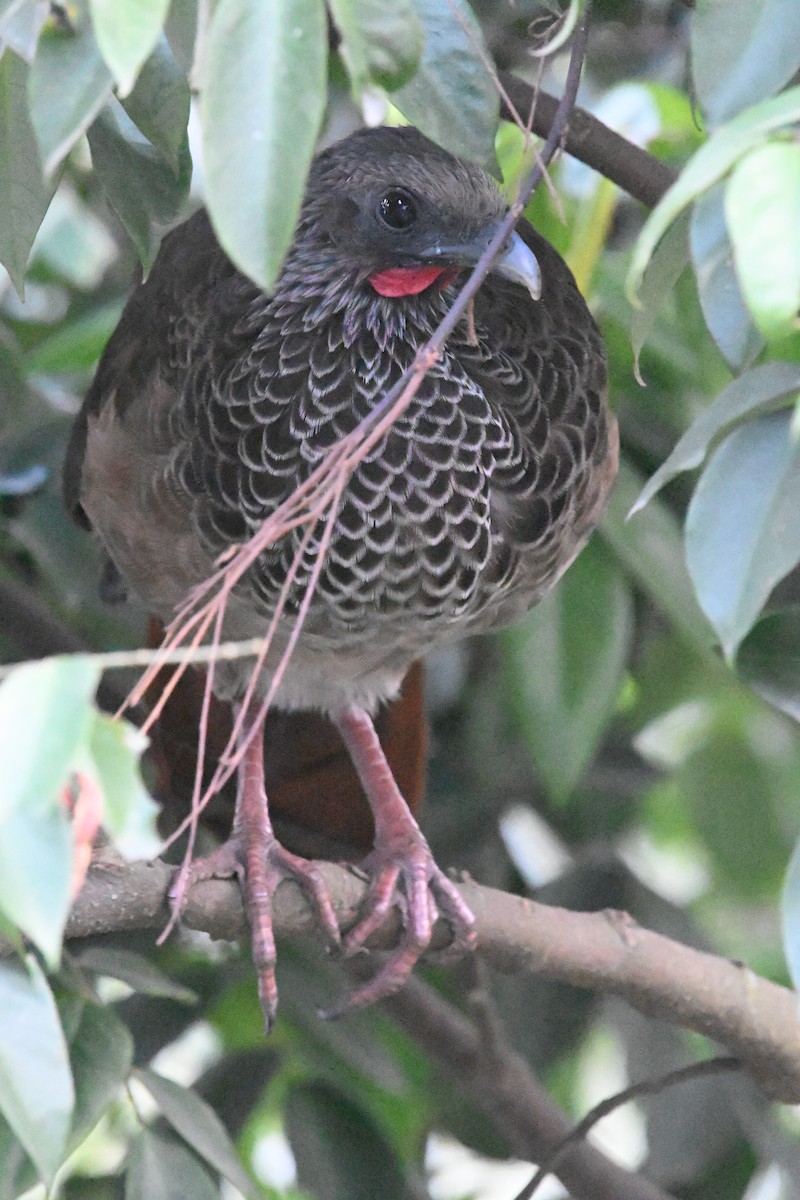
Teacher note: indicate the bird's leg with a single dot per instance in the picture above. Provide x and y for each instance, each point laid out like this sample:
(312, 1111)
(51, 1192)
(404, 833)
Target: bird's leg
(256, 857)
(401, 868)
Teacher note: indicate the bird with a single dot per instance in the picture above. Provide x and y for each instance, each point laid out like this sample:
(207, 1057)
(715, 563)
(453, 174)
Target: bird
(215, 400)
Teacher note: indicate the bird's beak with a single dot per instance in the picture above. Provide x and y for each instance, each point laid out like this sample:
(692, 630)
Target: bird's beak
(516, 262)
(519, 263)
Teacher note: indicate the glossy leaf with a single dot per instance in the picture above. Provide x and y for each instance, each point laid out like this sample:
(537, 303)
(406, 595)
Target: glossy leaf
(742, 52)
(134, 969)
(199, 1125)
(760, 390)
(762, 203)
(140, 184)
(790, 916)
(381, 43)
(452, 98)
(725, 312)
(129, 813)
(769, 660)
(20, 24)
(159, 105)
(36, 1091)
(69, 84)
(263, 100)
(101, 1052)
(742, 532)
(710, 163)
(661, 275)
(338, 1150)
(162, 1168)
(564, 664)
(24, 195)
(126, 32)
(45, 717)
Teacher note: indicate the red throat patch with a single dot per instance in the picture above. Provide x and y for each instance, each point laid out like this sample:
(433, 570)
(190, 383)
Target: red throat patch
(409, 281)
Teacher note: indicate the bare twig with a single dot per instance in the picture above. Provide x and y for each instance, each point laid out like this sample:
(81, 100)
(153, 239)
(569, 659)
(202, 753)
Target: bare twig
(647, 1087)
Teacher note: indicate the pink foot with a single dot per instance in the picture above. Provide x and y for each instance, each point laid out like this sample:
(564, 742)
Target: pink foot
(402, 871)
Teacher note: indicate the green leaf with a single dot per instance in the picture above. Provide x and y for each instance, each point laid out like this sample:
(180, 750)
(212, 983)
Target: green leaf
(101, 1053)
(564, 664)
(338, 1150)
(790, 916)
(710, 163)
(769, 660)
(75, 345)
(24, 196)
(726, 315)
(742, 532)
(452, 97)
(159, 105)
(200, 1126)
(126, 32)
(20, 24)
(661, 275)
(651, 550)
(36, 1091)
(17, 1172)
(129, 813)
(135, 970)
(762, 203)
(162, 1168)
(264, 92)
(381, 43)
(742, 52)
(757, 391)
(69, 84)
(45, 717)
(140, 184)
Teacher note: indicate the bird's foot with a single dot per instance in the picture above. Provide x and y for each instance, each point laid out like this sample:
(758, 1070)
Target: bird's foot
(402, 871)
(261, 864)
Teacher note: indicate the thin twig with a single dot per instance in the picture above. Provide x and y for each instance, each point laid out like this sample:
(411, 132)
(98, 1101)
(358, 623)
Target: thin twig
(647, 1087)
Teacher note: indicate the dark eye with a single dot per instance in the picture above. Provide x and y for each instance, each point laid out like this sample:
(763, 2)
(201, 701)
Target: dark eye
(397, 209)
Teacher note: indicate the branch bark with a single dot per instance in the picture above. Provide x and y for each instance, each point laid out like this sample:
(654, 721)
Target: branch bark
(754, 1019)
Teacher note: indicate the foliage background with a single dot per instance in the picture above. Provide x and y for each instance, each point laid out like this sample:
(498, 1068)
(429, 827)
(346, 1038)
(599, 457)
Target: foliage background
(604, 751)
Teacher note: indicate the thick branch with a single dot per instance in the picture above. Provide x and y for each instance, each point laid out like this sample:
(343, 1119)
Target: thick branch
(754, 1019)
(640, 174)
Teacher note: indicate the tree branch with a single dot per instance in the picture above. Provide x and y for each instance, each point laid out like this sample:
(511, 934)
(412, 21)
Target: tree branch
(754, 1019)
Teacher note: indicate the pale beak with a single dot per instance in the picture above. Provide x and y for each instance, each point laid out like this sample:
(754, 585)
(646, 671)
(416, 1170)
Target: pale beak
(519, 263)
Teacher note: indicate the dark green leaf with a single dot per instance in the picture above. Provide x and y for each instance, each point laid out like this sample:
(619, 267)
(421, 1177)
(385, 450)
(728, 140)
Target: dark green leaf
(452, 97)
(757, 391)
(662, 273)
(769, 660)
(263, 100)
(69, 84)
(381, 43)
(129, 813)
(159, 105)
(101, 1052)
(162, 1168)
(36, 1090)
(651, 549)
(140, 184)
(564, 664)
(790, 914)
(762, 202)
(24, 196)
(726, 315)
(338, 1151)
(743, 52)
(135, 970)
(200, 1126)
(742, 532)
(17, 1172)
(75, 345)
(126, 32)
(45, 718)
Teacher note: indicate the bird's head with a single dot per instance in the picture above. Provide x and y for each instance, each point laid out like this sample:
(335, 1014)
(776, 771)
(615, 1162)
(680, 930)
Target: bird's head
(401, 215)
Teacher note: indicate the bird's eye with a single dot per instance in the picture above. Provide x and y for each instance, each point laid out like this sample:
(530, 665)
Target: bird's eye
(397, 209)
